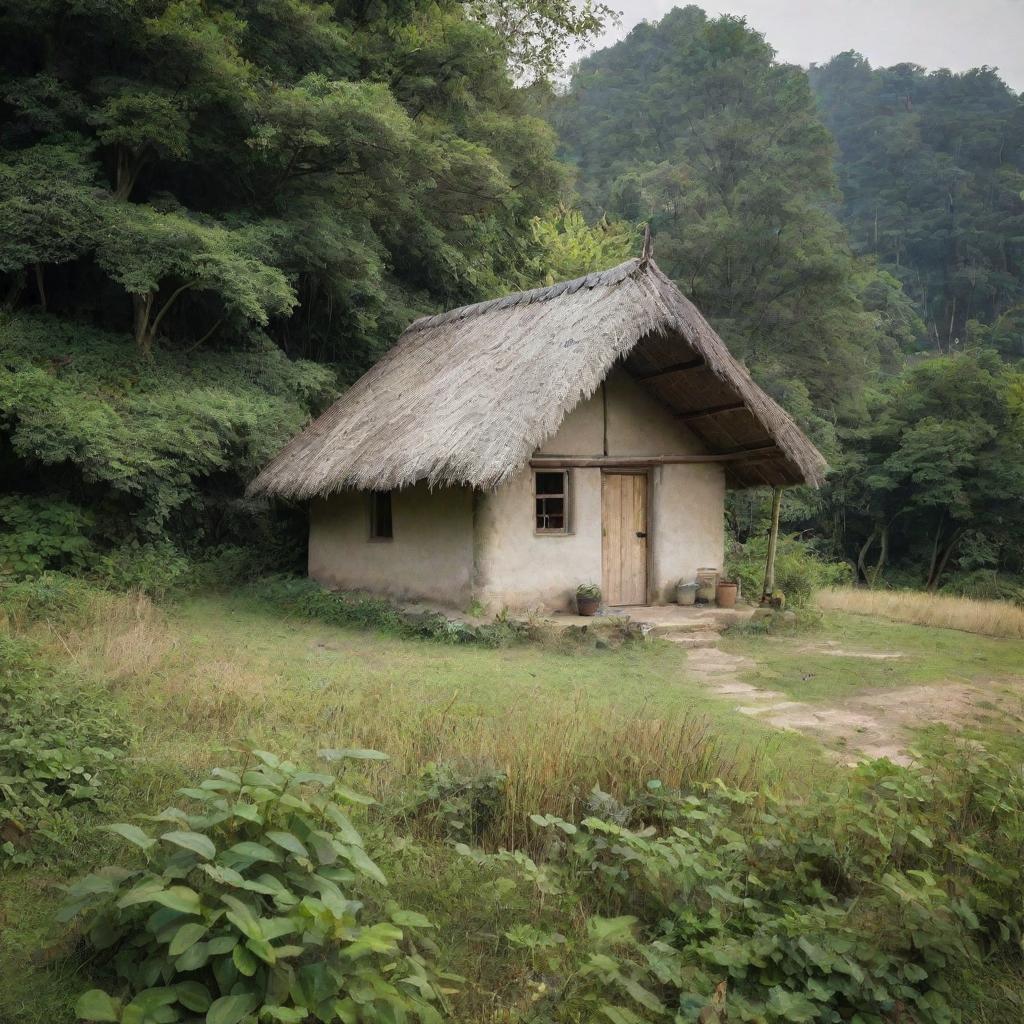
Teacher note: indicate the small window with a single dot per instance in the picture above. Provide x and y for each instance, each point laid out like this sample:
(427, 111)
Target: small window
(380, 515)
(551, 502)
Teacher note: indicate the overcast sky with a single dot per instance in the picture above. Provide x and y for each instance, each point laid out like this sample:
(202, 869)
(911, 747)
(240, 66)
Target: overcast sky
(956, 34)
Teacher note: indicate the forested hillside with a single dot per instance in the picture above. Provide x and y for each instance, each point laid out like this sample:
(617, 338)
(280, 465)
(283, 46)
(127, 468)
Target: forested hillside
(215, 215)
(931, 168)
(692, 124)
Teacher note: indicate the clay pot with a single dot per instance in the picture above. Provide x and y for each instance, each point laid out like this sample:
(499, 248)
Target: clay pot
(587, 605)
(725, 594)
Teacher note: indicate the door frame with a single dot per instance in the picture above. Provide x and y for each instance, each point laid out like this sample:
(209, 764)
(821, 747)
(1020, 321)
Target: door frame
(643, 471)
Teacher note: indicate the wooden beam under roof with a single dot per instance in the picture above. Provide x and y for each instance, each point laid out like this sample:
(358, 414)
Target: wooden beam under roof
(689, 364)
(711, 410)
(768, 451)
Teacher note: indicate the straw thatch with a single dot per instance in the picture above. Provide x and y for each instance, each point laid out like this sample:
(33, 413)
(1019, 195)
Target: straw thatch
(466, 397)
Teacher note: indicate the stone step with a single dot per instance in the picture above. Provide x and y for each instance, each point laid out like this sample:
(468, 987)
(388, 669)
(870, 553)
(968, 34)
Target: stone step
(693, 640)
(667, 629)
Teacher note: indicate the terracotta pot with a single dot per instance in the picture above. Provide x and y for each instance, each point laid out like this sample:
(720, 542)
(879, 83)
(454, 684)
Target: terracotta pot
(725, 594)
(587, 605)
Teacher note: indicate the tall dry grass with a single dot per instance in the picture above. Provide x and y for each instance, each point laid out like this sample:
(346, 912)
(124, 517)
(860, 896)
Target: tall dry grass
(988, 618)
(189, 702)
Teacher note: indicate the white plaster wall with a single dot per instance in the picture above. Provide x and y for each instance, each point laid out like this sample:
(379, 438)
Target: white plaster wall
(518, 569)
(429, 558)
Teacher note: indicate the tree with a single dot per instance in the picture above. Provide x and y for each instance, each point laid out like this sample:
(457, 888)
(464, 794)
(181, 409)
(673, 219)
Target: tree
(693, 125)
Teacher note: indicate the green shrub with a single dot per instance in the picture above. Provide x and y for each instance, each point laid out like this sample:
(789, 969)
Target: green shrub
(57, 749)
(799, 570)
(248, 907)
(456, 802)
(306, 599)
(986, 585)
(49, 596)
(154, 569)
(861, 906)
(38, 534)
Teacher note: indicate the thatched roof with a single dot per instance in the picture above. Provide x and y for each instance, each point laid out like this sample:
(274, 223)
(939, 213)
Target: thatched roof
(466, 397)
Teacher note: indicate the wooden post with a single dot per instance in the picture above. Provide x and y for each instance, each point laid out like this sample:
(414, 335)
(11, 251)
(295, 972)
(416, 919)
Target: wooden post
(773, 543)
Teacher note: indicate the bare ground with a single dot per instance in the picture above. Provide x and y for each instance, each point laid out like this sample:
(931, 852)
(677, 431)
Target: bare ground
(879, 724)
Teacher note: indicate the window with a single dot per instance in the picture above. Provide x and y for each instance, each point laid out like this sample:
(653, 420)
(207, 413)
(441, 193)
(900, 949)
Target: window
(380, 515)
(551, 502)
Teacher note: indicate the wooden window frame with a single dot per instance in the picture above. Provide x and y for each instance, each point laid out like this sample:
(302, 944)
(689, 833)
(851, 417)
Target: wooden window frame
(566, 495)
(375, 536)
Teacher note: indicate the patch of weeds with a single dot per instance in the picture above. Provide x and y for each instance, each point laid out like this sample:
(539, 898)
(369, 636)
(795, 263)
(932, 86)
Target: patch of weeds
(59, 748)
(308, 600)
(456, 802)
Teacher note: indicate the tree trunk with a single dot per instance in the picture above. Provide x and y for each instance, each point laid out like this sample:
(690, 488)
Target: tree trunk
(939, 566)
(142, 306)
(862, 556)
(883, 557)
(40, 286)
(15, 289)
(773, 542)
(129, 165)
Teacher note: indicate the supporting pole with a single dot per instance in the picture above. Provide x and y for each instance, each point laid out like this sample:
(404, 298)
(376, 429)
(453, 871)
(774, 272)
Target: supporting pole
(773, 543)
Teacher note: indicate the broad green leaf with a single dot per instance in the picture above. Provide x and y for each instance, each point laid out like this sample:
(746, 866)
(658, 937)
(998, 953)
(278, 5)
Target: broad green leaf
(242, 917)
(288, 842)
(193, 996)
(244, 961)
(358, 858)
(194, 841)
(231, 1009)
(143, 892)
(180, 897)
(197, 955)
(185, 936)
(132, 833)
(96, 1005)
(345, 793)
(254, 851)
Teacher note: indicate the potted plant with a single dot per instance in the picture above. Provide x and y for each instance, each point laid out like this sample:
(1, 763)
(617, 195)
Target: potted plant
(588, 598)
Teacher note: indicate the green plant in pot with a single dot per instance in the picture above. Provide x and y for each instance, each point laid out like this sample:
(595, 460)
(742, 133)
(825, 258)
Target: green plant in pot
(588, 598)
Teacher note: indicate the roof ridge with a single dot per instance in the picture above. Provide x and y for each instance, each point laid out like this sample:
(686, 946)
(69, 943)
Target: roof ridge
(604, 278)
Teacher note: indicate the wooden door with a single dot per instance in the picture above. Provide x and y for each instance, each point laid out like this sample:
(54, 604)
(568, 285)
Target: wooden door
(624, 538)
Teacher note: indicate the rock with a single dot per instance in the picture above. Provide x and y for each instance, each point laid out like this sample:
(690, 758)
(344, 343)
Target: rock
(789, 618)
(761, 614)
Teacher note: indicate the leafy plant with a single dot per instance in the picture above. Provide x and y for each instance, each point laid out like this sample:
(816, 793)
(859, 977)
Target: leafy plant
(458, 803)
(57, 748)
(37, 534)
(248, 907)
(855, 907)
(799, 570)
(590, 591)
(307, 599)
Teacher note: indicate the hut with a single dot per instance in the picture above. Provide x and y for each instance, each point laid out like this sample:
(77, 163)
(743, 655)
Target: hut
(505, 452)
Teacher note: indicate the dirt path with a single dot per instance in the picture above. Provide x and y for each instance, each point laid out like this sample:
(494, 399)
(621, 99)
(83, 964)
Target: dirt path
(878, 724)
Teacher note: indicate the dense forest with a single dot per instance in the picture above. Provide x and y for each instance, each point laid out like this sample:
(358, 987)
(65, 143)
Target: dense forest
(855, 236)
(213, 216)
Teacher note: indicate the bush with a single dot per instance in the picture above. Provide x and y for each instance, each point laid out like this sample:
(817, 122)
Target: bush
(986, 585)
(308, 600)
(57, 748)
(458, 803)
(248, 907)
(154, 569)
(799, 570)
(49, 596)
(40, 534)
(861, 906)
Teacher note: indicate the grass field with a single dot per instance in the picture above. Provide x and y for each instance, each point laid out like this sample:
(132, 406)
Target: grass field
(988, 618)
(209, 673)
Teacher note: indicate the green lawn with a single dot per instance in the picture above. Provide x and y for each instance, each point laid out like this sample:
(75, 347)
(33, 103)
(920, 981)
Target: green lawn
(797, 666)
